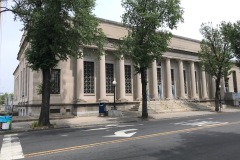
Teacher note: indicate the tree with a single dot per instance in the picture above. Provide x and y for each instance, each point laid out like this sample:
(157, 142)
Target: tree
(4, 96)
(56, 29)
(231, 31)
(215, 56)
(147, 39)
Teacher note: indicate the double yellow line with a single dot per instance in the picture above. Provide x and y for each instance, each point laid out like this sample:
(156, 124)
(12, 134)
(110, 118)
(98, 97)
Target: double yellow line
(123, 140)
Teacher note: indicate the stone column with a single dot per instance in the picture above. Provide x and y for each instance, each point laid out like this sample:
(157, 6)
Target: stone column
(181, 79)
(213, 87)
(80, 78)
(121, 80)
(154, 81)
(139, 87)
(168, 79)
(102, 79)
(204, 85)
(193, 80)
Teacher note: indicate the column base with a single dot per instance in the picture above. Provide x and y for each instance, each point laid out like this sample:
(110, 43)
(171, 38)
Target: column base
(138, 99)
(122, 100)
(80, 101)
(103, 100)
(155, 99)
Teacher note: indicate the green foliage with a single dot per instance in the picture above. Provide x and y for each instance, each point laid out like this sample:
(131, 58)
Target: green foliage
(231, 32)
(147, 39)
(39, 89)
(57, 29)
(4, 96)
(215, 56)
(34, 124)
(216, 53)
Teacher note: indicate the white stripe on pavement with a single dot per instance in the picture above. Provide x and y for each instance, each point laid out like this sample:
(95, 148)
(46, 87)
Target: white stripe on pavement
(11, 148)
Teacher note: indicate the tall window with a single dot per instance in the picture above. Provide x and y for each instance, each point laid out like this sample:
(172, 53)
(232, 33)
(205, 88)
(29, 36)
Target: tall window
(185, 81)
(128, 79)
(55, 81)
(109, 78)
(88, 77)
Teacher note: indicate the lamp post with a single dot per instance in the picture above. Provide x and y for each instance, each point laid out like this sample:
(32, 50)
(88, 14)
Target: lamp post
(114, 94)
(220, 97)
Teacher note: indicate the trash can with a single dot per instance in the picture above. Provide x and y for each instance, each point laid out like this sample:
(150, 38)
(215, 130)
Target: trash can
(102, 109)
(6, 122)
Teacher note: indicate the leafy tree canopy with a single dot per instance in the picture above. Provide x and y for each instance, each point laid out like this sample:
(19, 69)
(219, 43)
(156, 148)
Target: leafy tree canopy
(147, 19)
(231, 31)
(56, 29)
(216, 52)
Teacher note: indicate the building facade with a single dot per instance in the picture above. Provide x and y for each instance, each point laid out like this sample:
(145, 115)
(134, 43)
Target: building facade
(80, 84)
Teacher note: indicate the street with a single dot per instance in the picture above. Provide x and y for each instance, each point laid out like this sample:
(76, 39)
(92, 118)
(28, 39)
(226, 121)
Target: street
(215, 137)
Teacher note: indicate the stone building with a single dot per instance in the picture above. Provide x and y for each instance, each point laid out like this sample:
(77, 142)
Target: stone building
(80, 84)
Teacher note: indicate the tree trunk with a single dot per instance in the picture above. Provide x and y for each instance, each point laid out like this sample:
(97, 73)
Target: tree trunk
(44, 114)
(217, 95)
(144, 92)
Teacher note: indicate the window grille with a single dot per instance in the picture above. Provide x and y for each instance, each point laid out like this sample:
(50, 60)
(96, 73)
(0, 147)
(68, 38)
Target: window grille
(109, 78)
(55, 81)
(128, 79)
(89, 77)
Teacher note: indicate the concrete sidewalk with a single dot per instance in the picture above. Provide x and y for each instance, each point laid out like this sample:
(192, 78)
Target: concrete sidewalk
(23, 124)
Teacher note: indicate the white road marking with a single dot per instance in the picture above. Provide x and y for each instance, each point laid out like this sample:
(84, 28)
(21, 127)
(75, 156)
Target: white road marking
(64, 135)
(11, 148)
(123, 133)
(112, 126)
(199, 122)
(96, 129)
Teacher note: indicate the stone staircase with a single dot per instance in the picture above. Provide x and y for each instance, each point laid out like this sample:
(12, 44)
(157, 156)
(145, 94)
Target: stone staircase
(165, 106)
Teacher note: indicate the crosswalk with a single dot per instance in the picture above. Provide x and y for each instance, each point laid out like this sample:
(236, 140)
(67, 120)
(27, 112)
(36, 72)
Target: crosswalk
(11, 148)
(200, 122)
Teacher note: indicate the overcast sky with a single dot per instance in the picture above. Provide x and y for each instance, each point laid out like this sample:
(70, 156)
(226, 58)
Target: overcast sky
(195, 13)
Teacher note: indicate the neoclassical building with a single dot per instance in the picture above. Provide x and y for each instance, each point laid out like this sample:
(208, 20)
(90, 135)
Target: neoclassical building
(80, 84)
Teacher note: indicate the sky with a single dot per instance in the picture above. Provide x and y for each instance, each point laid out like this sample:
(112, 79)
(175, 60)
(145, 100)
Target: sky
(196, 12)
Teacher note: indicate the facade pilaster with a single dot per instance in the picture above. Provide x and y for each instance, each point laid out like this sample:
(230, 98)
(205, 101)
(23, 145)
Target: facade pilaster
(121, 80)
(79, 81)
(154, 81)
(193, 80)
(168, 79)
(181, 79)
(102, 79)
(204, 85)
(139, 87)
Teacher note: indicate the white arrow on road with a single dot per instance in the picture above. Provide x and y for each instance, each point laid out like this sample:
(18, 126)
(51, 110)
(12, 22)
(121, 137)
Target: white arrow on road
(123, 133)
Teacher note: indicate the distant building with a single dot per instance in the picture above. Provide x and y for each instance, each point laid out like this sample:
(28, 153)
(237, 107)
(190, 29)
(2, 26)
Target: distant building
(80, 84)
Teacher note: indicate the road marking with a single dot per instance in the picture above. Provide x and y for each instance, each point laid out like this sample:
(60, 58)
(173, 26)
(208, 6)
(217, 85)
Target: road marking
(43, 153)
(111, 126)
(96, 129)
(64, 135)
(123, 133)
(11, 148)
(199, 122)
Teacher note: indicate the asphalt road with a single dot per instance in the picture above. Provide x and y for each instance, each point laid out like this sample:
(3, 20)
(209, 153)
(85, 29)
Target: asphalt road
(212, 137)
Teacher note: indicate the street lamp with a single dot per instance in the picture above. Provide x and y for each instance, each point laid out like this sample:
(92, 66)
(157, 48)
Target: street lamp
(114, 94)
(220, 99)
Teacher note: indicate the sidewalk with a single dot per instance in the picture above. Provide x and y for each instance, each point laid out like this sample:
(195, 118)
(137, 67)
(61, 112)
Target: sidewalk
(22, 124)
